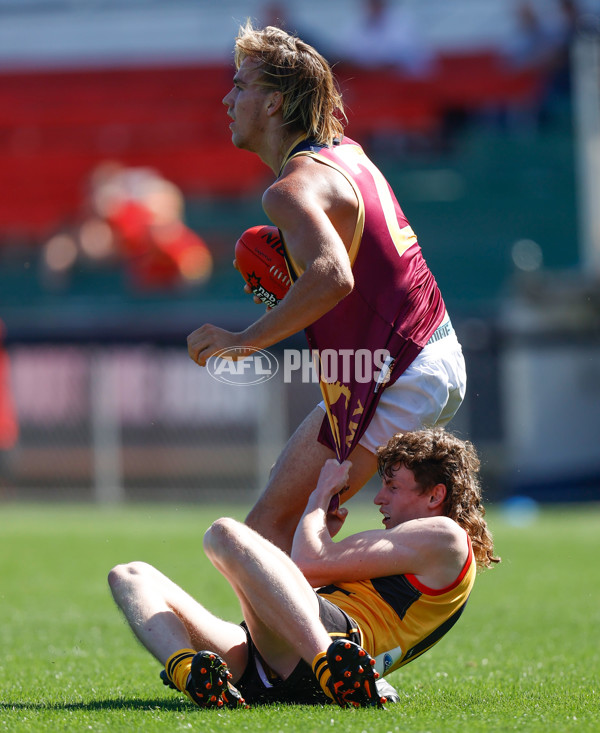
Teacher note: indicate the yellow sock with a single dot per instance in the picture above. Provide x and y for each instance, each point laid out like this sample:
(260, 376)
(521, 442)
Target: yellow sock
(322, 673)
(178, 667)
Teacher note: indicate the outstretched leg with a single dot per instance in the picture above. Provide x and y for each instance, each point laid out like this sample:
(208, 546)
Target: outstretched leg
(165, 618)
(174, 627)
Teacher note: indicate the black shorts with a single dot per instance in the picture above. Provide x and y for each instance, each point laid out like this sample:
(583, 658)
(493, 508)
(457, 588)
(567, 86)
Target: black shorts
(260, 685)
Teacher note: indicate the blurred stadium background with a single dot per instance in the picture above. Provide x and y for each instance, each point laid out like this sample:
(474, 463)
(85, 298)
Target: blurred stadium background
(121, 198)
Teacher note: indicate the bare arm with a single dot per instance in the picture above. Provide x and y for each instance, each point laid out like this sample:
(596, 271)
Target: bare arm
(433, 548)
(311, 206)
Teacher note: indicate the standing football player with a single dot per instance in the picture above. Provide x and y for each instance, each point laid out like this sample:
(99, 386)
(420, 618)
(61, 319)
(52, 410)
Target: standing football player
(360, 280)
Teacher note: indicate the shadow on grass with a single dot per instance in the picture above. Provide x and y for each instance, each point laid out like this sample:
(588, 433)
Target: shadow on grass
(121, 703)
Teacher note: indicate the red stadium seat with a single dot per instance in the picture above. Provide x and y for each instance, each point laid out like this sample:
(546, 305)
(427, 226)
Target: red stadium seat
(56, 126)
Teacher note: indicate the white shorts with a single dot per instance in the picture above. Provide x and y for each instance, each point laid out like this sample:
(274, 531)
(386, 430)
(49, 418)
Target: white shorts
(427, 394)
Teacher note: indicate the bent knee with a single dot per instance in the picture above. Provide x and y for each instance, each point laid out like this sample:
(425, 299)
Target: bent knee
(220, 534)
(128, 573)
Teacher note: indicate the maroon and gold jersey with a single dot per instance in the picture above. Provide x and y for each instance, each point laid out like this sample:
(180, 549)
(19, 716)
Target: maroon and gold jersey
(393, 309)
(398, 617)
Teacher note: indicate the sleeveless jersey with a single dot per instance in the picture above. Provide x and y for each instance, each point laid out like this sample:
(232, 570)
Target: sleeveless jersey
(371, 336)
(398, 617)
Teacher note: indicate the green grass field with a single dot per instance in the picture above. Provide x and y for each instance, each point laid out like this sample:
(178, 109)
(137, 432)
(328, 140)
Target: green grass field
(524, 656)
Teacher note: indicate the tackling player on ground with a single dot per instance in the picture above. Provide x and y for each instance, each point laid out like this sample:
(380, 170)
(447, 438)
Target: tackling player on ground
(385, 597)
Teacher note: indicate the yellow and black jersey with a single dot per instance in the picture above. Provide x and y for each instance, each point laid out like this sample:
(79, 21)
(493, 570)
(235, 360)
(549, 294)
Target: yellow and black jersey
(400, 618)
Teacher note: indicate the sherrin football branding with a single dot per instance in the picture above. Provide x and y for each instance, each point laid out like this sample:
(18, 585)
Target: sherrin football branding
(259, 255)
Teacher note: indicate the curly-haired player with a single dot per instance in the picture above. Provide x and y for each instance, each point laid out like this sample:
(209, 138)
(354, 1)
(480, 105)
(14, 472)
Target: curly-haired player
(384, 596)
